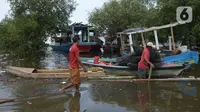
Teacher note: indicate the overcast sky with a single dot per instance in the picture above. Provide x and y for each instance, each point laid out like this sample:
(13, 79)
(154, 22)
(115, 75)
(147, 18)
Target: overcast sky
(79, 15)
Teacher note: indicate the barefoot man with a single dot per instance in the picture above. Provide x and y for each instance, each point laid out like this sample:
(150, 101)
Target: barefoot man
(74, 62)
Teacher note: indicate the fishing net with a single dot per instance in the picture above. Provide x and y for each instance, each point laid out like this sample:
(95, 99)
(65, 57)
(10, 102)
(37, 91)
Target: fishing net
(132, 60)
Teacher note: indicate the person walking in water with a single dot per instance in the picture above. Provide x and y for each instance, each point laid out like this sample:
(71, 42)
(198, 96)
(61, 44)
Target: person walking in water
(143, 68)
(74, 62)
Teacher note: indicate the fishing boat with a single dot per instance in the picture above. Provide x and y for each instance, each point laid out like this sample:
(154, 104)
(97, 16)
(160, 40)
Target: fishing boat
(46, 73)
(114, 60)
(189, 57)
(83, 47)
(165, 70)
(88, 43)
(94, 73)
(173, 65)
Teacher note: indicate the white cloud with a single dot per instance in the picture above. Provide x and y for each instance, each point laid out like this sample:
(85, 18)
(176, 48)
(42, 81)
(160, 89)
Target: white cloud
(4, 8)
(84, 7)
(79, 15)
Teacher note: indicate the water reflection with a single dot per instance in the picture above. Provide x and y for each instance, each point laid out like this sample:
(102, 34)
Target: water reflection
(73, 105)
(186, 88)
(99, 97)
(143, 96)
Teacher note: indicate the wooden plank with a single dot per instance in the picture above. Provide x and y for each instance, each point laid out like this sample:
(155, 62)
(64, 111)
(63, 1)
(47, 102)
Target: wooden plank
(51, 71)
(113, 77)
(2, 101)
(153, 80)
(150, 72)
(68, 74)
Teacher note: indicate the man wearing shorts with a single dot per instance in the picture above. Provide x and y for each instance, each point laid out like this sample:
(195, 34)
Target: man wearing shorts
(143, 68)
(74, 62)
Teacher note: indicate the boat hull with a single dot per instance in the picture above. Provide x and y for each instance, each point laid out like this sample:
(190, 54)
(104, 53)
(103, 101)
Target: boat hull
(163, 71)
(114, 60)
(49, 73)
(83, 47)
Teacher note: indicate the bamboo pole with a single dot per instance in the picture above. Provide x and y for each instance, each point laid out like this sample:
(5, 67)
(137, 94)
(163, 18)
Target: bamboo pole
(173, 42)
(150, 72)
(143, 41)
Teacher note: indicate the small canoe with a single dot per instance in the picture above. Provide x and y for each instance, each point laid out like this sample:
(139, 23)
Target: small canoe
(47, 73)
(166, 70)
(93, 73)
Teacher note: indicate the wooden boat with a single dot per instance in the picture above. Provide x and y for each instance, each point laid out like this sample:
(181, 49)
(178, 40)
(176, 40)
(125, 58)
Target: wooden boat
(189, 57)
(166, 70)
(101, 59)
(94, 73)
(83, 47)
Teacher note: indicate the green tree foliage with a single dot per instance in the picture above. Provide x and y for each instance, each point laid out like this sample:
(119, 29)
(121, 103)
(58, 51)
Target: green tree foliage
(117, 15)
(31, 21)
(188, 33)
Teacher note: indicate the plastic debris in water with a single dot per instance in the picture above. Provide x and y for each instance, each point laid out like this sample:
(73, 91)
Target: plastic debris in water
(29, 102)
(63, 82)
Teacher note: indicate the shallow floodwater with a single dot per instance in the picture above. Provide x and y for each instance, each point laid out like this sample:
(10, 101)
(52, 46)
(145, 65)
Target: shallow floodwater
(36, 95)
(100, 97)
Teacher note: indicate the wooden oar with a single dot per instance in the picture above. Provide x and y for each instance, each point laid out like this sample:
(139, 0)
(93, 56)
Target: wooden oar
(150, 72)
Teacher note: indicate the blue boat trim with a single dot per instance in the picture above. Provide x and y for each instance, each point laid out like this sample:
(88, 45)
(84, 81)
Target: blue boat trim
(189, 57)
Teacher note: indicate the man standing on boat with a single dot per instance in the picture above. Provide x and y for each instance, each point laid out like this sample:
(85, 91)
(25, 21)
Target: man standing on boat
(74, 62)
(143, 68)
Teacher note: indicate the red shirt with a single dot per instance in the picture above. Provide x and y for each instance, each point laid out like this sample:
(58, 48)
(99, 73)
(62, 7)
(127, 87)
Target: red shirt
(145, 55)
(73, 54)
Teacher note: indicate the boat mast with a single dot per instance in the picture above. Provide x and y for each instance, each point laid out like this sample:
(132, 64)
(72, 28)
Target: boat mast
(156, 39)
(72, 31)
(170, 43)
(131, 43)
(172, 34)
(88, 30)
(143, 41)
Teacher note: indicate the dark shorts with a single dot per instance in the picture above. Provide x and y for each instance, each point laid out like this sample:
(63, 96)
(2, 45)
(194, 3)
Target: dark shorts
(143, 73)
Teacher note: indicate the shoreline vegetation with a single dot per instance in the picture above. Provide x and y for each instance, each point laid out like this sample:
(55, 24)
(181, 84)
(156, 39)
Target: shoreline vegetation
(25, 30)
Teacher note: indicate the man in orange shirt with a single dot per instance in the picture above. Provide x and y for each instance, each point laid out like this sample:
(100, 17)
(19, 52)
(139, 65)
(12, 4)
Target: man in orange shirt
(143, 67)
(74, 62)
